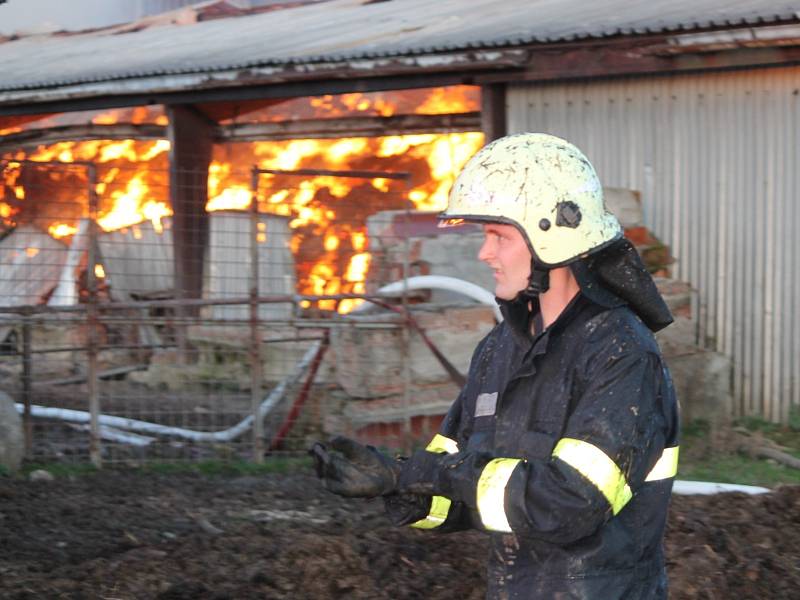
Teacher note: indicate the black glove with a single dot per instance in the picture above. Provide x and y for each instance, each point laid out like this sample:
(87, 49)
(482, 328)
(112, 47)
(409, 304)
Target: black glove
(353, 470)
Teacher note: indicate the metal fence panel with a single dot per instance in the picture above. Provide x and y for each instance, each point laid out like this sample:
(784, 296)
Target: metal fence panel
(716, 158)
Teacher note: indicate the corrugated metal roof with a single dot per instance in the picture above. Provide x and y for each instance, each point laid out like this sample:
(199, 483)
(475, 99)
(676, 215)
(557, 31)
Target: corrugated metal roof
(346, 30)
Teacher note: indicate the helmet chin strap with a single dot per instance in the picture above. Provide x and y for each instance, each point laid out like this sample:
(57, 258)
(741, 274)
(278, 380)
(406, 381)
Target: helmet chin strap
(538, 282)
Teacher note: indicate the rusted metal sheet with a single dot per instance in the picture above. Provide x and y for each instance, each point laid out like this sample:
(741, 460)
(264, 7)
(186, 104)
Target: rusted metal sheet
(138, 260)
(229, 264)
(31, 263)
(66, 292)
(715, 158)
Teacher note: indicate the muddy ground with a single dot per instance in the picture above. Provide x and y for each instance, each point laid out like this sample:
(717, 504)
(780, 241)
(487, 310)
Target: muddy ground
(121, 535)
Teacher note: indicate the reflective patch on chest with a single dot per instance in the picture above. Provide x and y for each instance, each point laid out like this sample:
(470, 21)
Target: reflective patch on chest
(486, 404)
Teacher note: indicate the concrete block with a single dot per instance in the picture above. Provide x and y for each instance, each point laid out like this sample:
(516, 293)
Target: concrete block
(703, 385)
(678, 339)
(624, 204)
(369, 361)
(12, 439)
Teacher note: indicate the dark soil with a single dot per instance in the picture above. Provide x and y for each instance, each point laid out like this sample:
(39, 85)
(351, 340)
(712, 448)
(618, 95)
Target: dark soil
(121, 535)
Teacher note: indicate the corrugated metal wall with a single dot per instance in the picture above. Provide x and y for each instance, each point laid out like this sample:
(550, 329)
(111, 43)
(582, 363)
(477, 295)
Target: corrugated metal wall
(715, 157)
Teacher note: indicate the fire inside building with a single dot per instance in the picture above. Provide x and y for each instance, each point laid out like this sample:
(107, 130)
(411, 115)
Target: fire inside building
(313, 183)
(95, 219)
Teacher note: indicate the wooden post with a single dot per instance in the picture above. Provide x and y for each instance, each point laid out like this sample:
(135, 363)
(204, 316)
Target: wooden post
(27, 380)
(190, 135)
(493, 111)
(255, 332)
(95, 450)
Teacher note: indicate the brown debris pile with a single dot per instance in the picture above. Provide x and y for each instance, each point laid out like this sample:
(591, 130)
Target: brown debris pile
(131, 535)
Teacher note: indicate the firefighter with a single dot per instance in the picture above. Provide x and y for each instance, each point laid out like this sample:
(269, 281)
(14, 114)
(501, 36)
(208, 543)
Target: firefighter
(563, 444)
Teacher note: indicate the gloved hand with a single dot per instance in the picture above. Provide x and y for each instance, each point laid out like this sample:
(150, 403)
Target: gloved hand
(353, 470)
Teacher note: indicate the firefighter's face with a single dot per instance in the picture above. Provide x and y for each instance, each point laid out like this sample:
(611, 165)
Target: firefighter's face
(505, 251)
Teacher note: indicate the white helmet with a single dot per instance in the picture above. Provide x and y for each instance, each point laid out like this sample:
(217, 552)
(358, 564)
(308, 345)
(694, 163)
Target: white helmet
(544, 186)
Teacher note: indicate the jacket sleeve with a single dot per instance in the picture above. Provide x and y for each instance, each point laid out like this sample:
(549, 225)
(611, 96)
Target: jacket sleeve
(611, 444)
(426, 511)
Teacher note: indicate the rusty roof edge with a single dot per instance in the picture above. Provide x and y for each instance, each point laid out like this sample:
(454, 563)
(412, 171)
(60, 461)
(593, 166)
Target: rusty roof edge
(442, 51)
(266, 74)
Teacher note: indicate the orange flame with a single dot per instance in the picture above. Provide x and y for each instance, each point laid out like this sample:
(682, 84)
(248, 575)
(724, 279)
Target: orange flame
(61, 230)
(131, 188)
(327, 214)
(326, 207)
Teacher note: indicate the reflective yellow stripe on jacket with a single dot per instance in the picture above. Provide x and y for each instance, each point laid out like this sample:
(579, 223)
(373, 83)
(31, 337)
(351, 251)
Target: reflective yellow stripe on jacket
(492, 493)
(597, 467)
(440, 506)
(586, 458)
(666, 467)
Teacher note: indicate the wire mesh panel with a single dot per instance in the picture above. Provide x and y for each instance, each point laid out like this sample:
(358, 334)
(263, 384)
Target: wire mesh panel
(40, 269)
(150, 310)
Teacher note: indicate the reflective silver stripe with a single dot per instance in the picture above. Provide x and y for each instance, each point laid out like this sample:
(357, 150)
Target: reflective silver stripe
(666, 467)
(597, 467)
(440, 506)
(492, 493)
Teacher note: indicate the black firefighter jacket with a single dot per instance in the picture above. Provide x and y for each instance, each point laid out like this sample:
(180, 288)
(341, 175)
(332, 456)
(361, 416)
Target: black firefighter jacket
(563, 446)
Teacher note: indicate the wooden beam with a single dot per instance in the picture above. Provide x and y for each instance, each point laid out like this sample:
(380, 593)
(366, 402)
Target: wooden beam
(191, 140)
(350, 127)
(31, 138)
(249, 132)
(219, 111)
(493, 111)
(630, 59)
(19, 121)
(114, 373)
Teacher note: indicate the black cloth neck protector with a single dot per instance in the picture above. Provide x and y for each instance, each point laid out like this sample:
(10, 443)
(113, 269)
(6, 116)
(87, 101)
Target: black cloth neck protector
(616, 275)
(610, 277)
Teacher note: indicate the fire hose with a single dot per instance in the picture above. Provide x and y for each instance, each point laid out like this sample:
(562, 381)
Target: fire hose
(442, 283)
(110, 424)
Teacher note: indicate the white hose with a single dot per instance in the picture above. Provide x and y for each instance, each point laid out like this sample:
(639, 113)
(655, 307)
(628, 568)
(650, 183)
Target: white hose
(80, 416)
(122, 437)
(689, 488)
(439, 282)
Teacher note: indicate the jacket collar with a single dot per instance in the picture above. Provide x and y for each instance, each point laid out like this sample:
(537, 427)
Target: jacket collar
(519, 318)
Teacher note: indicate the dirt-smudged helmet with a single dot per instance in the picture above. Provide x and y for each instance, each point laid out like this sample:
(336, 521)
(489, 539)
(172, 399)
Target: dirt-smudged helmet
(544, 186)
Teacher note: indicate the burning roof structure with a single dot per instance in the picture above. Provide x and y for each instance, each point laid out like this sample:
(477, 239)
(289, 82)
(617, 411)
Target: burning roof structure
(325, 213)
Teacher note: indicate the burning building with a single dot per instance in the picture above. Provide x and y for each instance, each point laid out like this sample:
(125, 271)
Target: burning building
(309, 182)
(274, 146)
(135, 220)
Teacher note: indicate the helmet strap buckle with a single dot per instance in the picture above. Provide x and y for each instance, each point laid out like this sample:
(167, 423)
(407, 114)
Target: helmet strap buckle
(538, 282)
